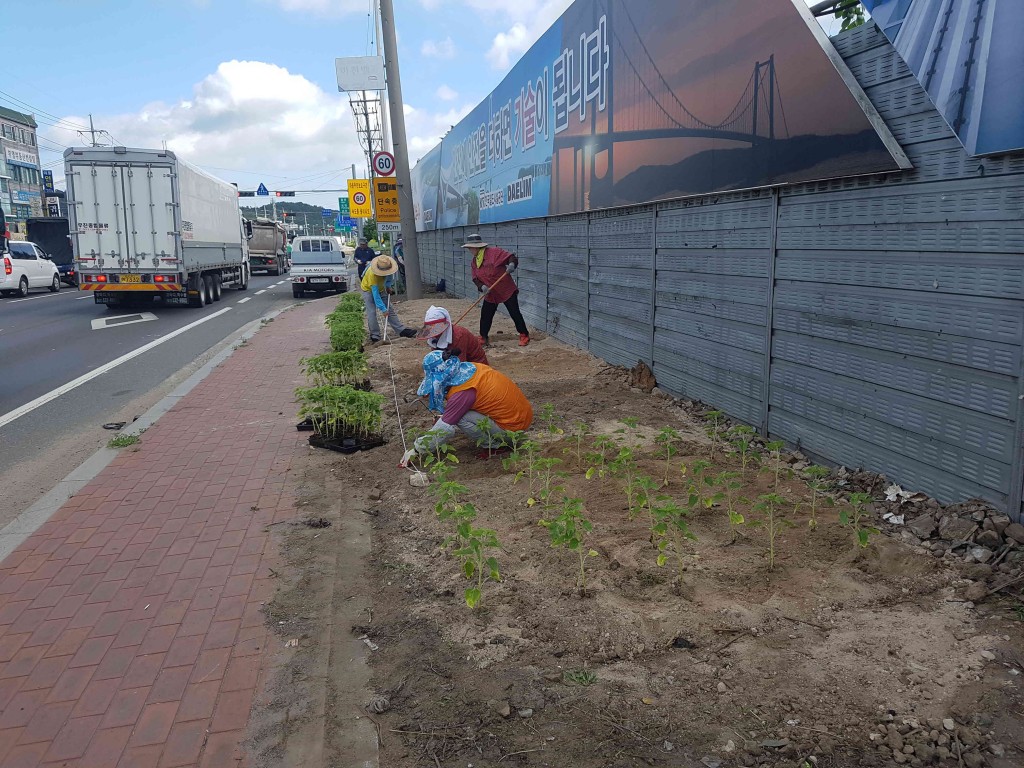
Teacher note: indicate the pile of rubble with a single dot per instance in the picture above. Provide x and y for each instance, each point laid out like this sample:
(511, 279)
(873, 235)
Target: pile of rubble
(915, 742)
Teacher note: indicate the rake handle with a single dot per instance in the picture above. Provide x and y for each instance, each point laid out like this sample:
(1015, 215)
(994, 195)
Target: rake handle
(479, 299)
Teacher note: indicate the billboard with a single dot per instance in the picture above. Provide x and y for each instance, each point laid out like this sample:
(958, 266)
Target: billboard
(621, 103)
(967, 56)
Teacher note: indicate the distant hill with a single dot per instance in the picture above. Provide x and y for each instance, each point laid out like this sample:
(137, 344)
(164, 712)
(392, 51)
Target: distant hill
(292, 209)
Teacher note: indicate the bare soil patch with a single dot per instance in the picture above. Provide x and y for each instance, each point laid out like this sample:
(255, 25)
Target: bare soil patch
(839, 656)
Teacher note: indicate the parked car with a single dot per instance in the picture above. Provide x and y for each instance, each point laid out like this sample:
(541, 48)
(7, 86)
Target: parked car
(25, 266)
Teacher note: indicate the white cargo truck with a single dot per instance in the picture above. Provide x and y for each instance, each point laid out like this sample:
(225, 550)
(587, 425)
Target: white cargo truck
(148, 227)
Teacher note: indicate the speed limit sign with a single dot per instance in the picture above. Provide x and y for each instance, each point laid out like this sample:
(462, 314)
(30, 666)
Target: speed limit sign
(359, 198)
(384, 163)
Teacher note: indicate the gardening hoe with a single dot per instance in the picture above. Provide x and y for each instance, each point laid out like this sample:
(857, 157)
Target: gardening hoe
(479, 299)
(409, 398)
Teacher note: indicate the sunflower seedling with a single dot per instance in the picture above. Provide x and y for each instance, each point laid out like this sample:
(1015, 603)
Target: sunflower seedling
(713, 430)
(771, 516)
(855, 516)
(544, 469)
(551, 419)
(580, 432)
(671, 530)
(778, 468)
(598, 460)
(624, 466)
(477, 565)
(742, 438)
(819, 491)
(667, 441)
(569, 530)
(732, 483)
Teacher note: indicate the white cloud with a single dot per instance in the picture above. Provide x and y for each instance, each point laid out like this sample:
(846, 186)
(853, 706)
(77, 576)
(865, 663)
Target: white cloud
(508, 46)
(249, 116)
(439, 49)
(445, 93)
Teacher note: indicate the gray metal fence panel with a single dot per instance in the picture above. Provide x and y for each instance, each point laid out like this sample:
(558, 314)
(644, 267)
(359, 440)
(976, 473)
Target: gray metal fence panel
(885, 312)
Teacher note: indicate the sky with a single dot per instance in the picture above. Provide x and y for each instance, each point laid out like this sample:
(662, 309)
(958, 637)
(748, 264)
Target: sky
(246, 89)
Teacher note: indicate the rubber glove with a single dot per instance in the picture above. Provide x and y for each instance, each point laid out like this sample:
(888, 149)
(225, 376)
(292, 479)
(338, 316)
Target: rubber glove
(407, 457)
(510, 267)
(484, 289)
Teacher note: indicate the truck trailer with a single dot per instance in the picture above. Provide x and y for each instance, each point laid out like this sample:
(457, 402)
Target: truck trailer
(268, 245)
(148, 227)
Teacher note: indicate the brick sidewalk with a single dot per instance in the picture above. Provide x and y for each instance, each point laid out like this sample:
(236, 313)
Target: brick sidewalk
(130, 625)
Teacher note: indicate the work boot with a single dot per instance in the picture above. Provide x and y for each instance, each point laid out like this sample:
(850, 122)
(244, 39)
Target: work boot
(524, 339)
(484, 341)
(408, 333)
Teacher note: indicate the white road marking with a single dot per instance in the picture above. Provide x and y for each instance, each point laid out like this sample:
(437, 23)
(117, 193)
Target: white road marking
(259, 292)
(115, 322)
(41, 296)
(82, 298)
(17, 413)
(242, 301)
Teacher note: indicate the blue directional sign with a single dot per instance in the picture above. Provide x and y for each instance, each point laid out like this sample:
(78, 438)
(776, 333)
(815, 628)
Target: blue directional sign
(262, 190)
(326, 213)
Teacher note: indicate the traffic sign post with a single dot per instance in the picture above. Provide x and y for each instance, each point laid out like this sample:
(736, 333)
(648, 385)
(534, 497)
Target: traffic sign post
(343, 206)
(385, 200)
(384, 163)
(262, 190)
(359, 198)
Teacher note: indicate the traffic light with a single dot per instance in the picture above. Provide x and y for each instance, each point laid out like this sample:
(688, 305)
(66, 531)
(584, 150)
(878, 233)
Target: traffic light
(285, 194)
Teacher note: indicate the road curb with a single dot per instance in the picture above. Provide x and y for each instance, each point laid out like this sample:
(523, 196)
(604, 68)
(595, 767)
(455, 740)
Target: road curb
(29, 521)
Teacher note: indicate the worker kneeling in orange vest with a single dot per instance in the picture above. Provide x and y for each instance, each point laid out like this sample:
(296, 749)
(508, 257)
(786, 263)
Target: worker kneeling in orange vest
(468, 396)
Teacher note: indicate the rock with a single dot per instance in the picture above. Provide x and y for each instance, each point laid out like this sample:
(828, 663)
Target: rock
(989, 539)
(1000, 523)
(974, 760)
(376, 494)
(988, 656)
(954, 528)
(926, 752)
(997, 749)
(503, 708)
(894, 740)
(419, 480)
(668, 746)
(711, 762)
(949, 724)
(923, 527)
(980, 554)
(642, 377)
(525, 713)
(1015, 531)
(900, 758)
(731, 747)
(721, 688)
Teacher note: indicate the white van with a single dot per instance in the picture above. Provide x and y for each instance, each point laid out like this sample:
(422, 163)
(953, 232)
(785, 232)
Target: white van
(320, 264)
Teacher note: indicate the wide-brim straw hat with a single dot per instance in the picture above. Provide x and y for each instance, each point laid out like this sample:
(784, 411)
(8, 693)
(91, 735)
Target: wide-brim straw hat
(382, 266)
(474, 241)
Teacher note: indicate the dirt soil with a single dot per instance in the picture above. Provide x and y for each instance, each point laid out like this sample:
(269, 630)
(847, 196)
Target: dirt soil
(839, 656)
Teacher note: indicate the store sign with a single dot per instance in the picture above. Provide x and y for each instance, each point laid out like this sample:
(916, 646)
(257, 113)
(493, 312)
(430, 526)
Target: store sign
(48, 181)
(25, 196)
(17, 157)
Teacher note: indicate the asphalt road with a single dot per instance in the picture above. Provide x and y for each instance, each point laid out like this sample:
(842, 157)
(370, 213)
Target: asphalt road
(49, 342)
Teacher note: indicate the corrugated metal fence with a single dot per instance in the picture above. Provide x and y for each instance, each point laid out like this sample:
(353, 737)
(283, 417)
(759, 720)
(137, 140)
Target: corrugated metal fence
(874, 322)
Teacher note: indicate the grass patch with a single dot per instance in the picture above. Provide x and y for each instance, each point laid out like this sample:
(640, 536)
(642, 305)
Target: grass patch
(123, 441)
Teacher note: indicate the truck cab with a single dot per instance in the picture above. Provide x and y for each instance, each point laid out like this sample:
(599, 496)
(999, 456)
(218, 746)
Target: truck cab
(320, 264)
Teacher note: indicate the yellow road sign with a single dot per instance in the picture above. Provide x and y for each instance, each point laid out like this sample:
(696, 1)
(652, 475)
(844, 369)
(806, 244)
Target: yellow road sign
(359, 199)
(385, 199)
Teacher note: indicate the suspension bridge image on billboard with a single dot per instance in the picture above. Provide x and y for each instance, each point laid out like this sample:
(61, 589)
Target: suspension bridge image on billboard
(967, 56)
(622, 103)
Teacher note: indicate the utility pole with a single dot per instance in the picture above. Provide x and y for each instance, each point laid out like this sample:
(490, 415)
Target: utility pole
(414, 283)
(385, 142)
(92, 131)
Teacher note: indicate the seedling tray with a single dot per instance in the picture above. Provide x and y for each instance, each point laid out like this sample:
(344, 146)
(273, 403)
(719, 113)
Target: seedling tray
(346, 444)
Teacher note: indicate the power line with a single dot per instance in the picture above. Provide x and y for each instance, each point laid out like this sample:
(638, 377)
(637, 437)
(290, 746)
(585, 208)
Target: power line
(37, 111)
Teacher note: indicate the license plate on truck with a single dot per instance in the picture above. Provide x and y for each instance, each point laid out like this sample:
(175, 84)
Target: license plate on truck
(131, 278)
(319, 280)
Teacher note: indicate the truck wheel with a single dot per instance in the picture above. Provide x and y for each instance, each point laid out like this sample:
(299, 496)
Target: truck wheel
(275, 271)
(208, 283)
(216, 288)
(199, 300)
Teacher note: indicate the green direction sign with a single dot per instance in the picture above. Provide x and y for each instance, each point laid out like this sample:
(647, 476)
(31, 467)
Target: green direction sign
(343, 206)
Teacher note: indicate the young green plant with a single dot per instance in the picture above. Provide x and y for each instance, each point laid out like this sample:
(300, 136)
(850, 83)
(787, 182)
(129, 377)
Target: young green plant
(742, 438)
(713, 429)
(667, 440)
(771, 510)
(818, 475)
(854, 518)
(731, 483)
(671, 530)
(569, 530)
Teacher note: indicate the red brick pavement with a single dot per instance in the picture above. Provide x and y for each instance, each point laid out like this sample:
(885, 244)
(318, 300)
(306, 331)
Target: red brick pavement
(130, 625)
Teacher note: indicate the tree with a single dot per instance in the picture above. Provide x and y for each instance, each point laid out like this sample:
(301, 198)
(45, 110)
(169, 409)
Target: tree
(852, 16)
(370, 230)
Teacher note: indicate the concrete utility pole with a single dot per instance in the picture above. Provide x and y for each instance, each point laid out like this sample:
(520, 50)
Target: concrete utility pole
(414, 283)
(92, 131)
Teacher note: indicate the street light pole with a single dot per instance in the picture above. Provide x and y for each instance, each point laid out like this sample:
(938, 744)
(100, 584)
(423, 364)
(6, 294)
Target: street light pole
(414, 283)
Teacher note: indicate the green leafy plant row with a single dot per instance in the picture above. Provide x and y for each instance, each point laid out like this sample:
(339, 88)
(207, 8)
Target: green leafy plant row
(336, 368)
(341, 410)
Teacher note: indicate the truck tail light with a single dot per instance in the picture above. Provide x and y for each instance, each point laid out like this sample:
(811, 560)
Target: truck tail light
(95, 278)
(8, 269)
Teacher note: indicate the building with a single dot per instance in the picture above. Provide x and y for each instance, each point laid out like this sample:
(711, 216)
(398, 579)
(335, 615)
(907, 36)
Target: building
(21, 184)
